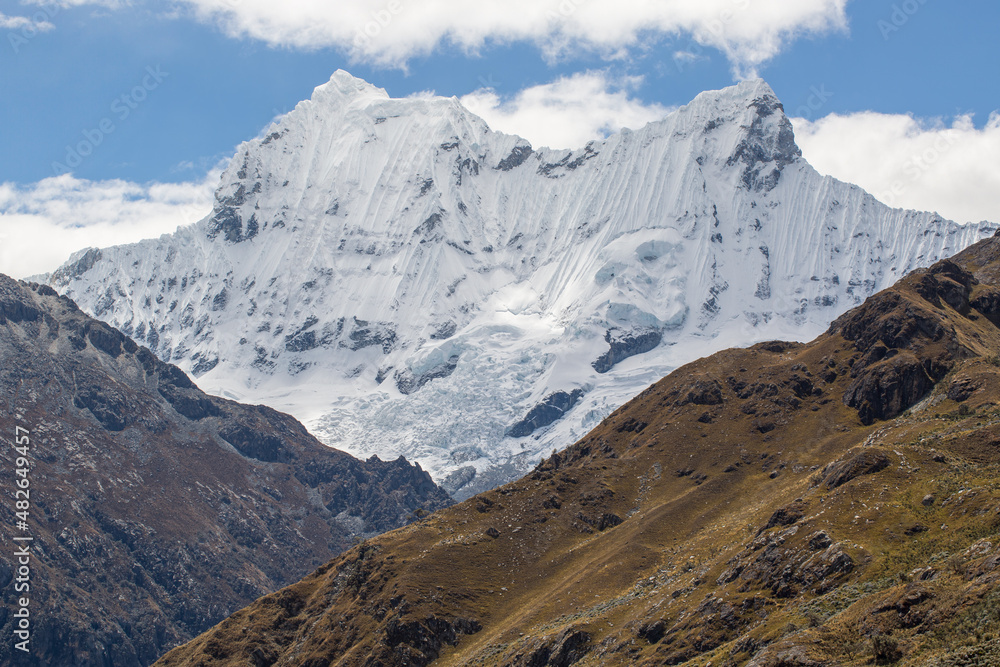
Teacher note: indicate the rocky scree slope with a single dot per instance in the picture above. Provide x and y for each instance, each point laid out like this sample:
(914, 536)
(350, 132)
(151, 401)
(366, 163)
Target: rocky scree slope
(156, 510)
(786, 505)
(406, 281)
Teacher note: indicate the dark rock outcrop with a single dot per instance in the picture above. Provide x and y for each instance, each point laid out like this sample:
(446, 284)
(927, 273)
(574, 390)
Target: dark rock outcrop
(785, 516)
(626, 344)
(962, 388)
(445, 331)
(905, 348)
(407, 382)
(886, 389)
(702, 392)
(518, 156)
(545, 413)
(562, 650)
(780, 562)
(371, 334)
(987, 302)
(763, 152)
(867, 462)
(421, 641)
(85, 263)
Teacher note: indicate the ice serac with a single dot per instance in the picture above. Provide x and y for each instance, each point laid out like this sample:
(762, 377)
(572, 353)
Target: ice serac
(407, 281)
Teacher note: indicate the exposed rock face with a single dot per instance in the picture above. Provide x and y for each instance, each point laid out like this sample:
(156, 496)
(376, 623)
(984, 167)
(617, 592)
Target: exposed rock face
(418, 643)
(962, 389)
(156, 510)
(625, 344)
(78, 267)
(562, 650)
(906, 348)
(704, 392)
(778, 562)
(794, 656)
(407, 382)
(547, 412)
(764, 153)
(885, 389)
(785, 516)
(867, 462)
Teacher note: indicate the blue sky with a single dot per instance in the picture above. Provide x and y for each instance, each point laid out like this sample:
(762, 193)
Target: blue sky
(221, 91)
(164, 91)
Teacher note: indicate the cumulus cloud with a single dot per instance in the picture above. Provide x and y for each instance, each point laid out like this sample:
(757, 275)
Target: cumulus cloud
(43, 223)
(390, 32)
(566, 113)
(951, 168)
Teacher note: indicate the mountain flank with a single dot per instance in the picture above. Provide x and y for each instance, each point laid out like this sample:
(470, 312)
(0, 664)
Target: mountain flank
(821, 504)
(155, 510)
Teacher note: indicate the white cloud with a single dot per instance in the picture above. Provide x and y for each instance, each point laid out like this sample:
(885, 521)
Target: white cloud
(953, 169)
(23, 23)
(566, 113)
(390, 32)
(66, 4)
(43, 223)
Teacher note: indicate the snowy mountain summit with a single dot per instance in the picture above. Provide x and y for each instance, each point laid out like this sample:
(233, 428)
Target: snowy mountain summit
(407, 281)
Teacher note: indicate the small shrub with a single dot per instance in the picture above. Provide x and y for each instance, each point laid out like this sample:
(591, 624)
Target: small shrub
(814, 618)
(885, 650)
(853, 649)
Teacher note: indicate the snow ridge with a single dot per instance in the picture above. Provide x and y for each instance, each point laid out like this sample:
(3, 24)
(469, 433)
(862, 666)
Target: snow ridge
(405, 280)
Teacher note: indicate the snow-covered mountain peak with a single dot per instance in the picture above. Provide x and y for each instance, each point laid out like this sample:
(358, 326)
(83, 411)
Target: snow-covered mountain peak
(745, 127)
(352, 133)
(731, 100)
(407, 281)
(344, 86)
(336, 148)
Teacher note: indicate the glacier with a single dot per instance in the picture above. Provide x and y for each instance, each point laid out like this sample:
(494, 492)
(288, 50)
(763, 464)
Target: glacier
(406, 281)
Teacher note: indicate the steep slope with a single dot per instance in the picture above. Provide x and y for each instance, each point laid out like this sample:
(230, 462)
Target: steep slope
(406, 281)
(834, 503)
(153, 510)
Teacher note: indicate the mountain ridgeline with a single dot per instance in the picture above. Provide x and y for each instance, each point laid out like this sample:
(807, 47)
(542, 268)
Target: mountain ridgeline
(155, 510)
(407, 281)
(786, 505)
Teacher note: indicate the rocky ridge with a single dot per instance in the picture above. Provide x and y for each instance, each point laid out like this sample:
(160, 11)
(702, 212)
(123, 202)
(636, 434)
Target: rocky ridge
(156, 510)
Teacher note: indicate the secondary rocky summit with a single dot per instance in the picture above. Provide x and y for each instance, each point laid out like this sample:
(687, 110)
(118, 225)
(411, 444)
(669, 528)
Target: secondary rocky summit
(154, 510)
